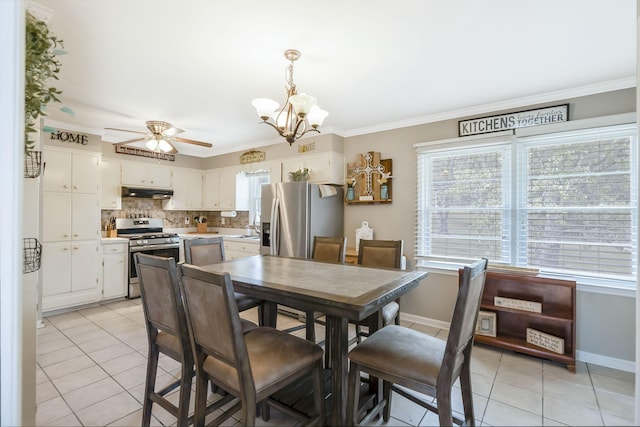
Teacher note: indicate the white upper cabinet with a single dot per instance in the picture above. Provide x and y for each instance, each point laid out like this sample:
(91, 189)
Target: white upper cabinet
(71, 172)
(324, 168)
(135, 174)
(187, 190)
(219, 191)
(111, 185)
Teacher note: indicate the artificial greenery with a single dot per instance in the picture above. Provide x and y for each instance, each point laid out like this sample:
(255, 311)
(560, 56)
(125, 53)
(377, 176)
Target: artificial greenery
(41, 65)
(299, 175)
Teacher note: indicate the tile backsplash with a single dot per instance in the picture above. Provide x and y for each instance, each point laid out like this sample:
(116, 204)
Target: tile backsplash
(172, 219)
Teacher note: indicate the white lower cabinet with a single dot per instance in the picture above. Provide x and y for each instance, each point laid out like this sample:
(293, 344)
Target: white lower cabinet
(115, 269)
(70, 274)
(235, 250)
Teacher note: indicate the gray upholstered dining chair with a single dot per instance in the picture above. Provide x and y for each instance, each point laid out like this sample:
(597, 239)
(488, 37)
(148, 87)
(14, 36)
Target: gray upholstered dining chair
(327, 249)
(420, 362)
(381, 254)
(167, 333)
(210, 250)
(251, 366)
(203, 251)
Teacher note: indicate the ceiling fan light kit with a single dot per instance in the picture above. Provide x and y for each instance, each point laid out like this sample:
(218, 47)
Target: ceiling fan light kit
(300, 113)
(160, 138)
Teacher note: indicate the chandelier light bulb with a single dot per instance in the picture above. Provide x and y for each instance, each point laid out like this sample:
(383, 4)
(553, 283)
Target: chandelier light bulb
(265, 107)
(302, 103)
(164, 146)
(152, 144)
(316, 116)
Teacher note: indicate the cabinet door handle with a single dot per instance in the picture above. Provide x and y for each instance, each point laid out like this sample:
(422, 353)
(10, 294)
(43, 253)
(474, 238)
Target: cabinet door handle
(65, 235)
(75, 234)
(75, 187)
(65, 186)
(75, 248)
(65, 249)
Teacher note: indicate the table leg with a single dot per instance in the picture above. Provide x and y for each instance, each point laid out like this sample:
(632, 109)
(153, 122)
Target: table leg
(269, 314)
(338, 335)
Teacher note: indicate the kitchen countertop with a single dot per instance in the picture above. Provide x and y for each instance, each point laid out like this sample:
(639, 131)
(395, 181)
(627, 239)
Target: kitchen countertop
(234, 234)
(113, 240)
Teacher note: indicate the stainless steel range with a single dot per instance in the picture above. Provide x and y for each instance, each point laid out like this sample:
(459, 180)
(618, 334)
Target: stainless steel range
(146, 236)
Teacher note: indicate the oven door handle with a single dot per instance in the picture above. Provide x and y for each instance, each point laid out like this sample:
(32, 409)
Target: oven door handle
(154, 247)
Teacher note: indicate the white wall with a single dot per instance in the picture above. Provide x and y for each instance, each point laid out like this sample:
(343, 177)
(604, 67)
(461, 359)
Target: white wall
(17, 310)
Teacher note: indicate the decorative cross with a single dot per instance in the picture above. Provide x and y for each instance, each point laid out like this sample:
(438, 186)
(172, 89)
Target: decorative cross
(367, 170)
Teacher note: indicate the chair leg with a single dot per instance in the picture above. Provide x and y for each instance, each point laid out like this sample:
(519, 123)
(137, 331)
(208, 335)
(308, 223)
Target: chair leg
(185, 393)
(467, 397)
(318, 392)
(444, 405)
(150, 385)
(353, 394)
(310, 326)
(201, 399)
(386, 395)
(249, 411)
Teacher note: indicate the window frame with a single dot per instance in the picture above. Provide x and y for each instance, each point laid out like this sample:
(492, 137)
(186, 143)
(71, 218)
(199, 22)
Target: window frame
(517, 143)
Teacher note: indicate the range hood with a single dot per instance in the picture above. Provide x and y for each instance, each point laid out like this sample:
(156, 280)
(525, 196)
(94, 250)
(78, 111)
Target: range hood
(146, 193)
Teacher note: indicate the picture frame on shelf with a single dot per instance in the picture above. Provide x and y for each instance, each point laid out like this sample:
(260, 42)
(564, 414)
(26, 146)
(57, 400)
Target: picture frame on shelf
(486, 324)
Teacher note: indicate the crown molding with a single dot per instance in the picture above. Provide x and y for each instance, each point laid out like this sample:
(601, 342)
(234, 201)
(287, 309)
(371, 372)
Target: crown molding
(593, 89)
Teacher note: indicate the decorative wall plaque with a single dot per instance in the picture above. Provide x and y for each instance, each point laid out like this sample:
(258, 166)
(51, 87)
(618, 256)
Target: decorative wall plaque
(252, 157)
(369, 179)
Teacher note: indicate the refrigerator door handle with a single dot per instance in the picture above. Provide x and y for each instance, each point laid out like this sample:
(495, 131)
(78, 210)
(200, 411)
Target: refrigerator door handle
(274, 232)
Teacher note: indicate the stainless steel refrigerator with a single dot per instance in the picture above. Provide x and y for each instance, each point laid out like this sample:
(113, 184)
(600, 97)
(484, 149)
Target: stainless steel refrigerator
(293, 212)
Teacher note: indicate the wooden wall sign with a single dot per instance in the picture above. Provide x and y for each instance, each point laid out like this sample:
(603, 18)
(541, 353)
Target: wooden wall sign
(133, 151)
(541, 116)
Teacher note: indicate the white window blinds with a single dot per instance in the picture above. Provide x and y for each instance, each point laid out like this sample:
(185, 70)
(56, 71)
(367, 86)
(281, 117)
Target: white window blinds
(565, 203)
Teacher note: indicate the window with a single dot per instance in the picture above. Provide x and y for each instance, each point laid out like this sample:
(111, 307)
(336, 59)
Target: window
(564, 203)
(255, 181)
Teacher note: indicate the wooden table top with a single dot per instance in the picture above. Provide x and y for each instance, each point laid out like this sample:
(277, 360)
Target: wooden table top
(342, 289)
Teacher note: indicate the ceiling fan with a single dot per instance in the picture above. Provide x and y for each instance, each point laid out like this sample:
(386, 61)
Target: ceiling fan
(160, 137)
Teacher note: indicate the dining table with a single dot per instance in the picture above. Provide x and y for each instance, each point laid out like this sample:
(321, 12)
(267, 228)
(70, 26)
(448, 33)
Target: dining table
(343, 292)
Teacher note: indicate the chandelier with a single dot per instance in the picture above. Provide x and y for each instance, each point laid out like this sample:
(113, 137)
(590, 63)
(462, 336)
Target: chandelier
(299, 114)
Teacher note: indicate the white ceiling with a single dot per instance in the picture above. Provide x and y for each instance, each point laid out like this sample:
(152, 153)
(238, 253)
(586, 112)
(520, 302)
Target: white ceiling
(374, 64)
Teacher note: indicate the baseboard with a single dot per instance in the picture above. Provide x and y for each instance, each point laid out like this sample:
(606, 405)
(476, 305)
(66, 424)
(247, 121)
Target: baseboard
(609, 362)
(583, 356)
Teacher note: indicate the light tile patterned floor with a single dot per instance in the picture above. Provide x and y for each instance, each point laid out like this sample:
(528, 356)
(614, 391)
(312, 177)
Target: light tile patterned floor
(91, 370)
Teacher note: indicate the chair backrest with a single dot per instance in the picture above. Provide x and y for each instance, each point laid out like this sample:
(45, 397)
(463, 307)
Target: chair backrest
(205, 251)
(331, 249)
(210, 300)
(161, 298)
(465, 315)
(380, 253)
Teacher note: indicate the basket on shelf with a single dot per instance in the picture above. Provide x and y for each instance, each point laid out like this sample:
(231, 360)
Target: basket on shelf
(32, 164)
(31, 255)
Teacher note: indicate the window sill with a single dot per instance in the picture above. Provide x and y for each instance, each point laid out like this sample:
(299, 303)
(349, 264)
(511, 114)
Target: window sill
(625, 289)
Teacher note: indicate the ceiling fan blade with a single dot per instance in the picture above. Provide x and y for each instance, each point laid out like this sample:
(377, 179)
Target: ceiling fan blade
(194, 142)
(125, 130)
(173, 149)
(130, 140)
(172, 131)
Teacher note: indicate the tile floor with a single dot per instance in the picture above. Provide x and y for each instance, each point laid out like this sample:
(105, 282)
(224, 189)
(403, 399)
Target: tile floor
(91, 370)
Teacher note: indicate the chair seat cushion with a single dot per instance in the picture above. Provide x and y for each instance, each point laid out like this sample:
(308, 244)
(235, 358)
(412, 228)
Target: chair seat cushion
(273, 355)
(402, 352)
(246, 302)
(247, 325)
